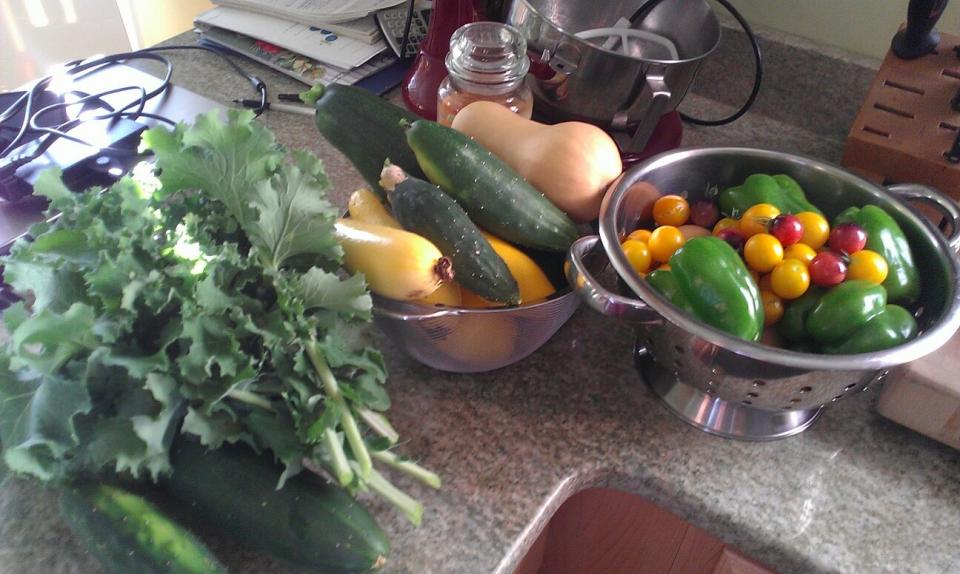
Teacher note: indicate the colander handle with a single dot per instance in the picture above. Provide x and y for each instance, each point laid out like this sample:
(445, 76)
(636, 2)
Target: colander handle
(942, 203)
(596, 295)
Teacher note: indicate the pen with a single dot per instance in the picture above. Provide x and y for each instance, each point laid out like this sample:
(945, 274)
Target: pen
(276, 106)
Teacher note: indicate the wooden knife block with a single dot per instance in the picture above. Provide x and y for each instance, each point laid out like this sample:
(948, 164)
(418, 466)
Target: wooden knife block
(906, 123)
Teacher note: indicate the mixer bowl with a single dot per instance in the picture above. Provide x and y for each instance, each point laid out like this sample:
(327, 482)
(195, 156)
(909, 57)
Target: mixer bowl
(737, 388)
(623, 86)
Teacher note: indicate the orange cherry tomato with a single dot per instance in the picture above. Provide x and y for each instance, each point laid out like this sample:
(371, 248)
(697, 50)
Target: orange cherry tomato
(757, 219)
(800, 251)
(867, 265)
(664, 241)
(816, 230)
(790, 279)
(726, 223)
(638, 254)
(762, 252)
(772, 307)
(642, 235)
(671, 210)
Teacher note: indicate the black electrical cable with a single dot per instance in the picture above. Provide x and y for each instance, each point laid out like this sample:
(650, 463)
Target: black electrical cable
(133, 109)
(406, 33)
(645, 10)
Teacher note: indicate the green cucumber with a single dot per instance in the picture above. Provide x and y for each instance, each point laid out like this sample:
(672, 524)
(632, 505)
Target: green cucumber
(366, 129)
(425, 209)
(494, 195)
(128, 534)
(309, 522)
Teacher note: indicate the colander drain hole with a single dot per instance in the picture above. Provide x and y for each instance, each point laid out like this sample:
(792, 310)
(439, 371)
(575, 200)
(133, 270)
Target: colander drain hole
(678, 363)
(746, 402)
(850, 386)
(794, 400)
(759, 383)
(804, 390)
(678, 349)
(752, 395)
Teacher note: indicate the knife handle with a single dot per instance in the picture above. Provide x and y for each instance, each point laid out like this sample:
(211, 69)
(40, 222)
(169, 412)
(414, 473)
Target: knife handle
(919, 38)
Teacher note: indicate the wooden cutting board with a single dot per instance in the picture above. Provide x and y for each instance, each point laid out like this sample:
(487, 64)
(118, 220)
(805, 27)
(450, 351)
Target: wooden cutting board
(925, 396)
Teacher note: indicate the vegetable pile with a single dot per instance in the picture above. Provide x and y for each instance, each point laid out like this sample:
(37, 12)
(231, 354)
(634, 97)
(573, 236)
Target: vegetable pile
(495, 202)
(204, 305)
(760, 254)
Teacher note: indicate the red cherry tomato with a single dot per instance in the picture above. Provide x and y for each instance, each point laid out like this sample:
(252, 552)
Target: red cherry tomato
(787, 228)
(827, 269)
(704, 213)
(733, 237)
(847, 238)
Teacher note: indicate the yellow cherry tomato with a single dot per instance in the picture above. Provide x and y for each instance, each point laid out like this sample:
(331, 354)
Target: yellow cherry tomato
(671, 210)
(789, 279)
(867, 265)
(816, 230)
(800, 251)
(664, 267)
(757, 219)
(664, 241)
(638, 254)
(642, 235)
(726, 223)
(765, 283)
(762, 252)
(772, 307)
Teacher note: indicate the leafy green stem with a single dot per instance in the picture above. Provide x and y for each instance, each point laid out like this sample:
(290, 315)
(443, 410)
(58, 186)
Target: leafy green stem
(338, 459)
(412, 509)
(251, 399)
(425, 476)
(350, 429)
(379, 424)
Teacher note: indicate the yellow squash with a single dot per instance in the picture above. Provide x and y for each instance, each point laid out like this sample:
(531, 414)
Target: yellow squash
(532, 281)
(366, 206)
(447, 295)
(396, 263)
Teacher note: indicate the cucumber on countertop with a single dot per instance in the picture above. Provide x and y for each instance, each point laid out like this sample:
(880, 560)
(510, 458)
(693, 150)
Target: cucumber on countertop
(309, 522)
(492, 194)
(366, 129)
(128, 534)
(425, 209)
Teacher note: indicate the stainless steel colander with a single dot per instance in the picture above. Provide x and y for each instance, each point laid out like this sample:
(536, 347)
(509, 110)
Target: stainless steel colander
(736, 388)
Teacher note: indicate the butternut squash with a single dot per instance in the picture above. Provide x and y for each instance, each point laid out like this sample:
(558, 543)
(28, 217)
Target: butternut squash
(571, 163)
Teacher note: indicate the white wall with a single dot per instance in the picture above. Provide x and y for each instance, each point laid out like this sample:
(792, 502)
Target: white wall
(863, 26)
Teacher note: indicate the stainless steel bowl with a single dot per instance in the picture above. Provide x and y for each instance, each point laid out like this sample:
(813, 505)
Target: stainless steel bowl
(736, 388)
(465, 340)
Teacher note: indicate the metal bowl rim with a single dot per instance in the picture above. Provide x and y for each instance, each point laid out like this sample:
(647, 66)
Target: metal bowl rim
(922, 345)
(570, 36)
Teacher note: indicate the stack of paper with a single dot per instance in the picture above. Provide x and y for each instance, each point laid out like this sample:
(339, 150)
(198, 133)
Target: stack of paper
(309, 53)
(314, 12)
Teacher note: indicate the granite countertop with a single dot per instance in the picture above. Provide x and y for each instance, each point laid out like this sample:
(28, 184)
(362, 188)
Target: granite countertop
(855, 493)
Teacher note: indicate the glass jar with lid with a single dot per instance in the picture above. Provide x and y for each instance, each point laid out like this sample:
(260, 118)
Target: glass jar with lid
(486, 61)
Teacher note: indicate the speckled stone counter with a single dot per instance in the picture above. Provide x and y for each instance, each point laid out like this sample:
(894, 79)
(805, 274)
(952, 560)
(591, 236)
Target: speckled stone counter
(855, 493)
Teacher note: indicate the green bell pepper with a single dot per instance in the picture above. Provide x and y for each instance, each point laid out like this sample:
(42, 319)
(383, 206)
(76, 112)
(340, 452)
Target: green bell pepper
(843, 309)
(892, 326)
(886, 237)
(792, 326)
(781, 191)
(666, 284)
(713, 279)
